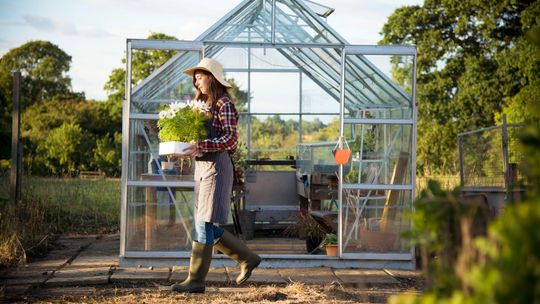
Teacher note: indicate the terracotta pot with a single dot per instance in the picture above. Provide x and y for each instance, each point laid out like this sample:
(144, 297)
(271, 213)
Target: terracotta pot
(331, 249)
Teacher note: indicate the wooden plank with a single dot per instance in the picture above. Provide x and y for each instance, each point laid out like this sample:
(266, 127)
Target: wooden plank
(390, 206)
(16, 148)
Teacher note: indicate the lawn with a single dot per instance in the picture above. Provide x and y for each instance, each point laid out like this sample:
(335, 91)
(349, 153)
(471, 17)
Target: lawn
(53, 206)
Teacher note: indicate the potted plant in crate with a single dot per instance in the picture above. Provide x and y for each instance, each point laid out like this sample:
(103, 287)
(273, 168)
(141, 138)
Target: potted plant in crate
(180, 124)
(330, 244)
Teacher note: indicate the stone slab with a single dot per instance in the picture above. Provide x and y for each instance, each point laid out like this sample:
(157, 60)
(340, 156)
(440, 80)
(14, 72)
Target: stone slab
(106, 245)
(215, 275)
(258, 276)
(140, 274)
(364, 277)
(86, 261)
(24, 281)
(79, 277)
(312, 275)
(8, 292)
(59, 292)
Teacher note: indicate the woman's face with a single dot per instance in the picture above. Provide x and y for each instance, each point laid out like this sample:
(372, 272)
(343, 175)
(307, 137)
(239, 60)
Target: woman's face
(202, 82)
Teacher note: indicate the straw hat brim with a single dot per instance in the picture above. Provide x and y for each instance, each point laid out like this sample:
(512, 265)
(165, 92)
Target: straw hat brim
(191, 72)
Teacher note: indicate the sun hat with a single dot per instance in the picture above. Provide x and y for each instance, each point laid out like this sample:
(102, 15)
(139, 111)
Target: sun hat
(212, 66)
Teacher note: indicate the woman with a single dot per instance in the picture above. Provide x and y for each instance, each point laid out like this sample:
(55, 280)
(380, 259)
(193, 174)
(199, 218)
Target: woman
(213, 180)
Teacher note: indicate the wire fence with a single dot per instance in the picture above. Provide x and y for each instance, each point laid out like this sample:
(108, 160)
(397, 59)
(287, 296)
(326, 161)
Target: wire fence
(488, 157)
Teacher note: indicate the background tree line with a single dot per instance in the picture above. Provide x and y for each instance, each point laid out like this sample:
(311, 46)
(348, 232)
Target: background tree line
(474, 64)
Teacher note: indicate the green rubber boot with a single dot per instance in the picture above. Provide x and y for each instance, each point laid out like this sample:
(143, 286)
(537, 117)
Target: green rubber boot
(199, 264)
(239, 252)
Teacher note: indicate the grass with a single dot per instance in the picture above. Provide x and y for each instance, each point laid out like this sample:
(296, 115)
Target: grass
(52, 206)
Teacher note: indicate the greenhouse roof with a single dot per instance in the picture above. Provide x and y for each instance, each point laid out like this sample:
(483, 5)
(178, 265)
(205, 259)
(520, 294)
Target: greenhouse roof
(302, 36)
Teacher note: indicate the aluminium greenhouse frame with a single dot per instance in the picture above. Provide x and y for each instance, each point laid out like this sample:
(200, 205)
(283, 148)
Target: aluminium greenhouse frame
(367, 259)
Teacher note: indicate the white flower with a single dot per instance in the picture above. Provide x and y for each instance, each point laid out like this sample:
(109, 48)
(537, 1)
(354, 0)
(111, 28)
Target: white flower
(171, 114)
(177, 105)
(162, 114)
(201, 106)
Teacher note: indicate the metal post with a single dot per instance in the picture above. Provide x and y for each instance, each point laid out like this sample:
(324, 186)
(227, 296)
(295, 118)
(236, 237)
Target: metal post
(341, 132)
(125, 151)
(300, 105)
(273, 21)
(16, 149)
(248, 144)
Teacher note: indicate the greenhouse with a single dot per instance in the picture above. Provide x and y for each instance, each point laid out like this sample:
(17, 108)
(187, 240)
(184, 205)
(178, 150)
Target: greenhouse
(298, 87)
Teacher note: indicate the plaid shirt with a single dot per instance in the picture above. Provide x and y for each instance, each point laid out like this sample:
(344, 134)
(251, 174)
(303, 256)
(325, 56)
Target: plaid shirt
(225, 123)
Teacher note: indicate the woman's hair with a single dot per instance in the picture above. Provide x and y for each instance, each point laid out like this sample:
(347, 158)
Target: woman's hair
(215, 91)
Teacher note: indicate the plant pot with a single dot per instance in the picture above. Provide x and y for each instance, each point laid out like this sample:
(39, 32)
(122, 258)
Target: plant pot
(342, 156)
(173, 148)
(331, 249)
(167, 165)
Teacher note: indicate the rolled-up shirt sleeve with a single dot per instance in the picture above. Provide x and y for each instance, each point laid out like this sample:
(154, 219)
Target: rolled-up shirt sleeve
(226, 126)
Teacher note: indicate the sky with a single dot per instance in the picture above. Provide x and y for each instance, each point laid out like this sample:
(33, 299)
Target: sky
(94, 32)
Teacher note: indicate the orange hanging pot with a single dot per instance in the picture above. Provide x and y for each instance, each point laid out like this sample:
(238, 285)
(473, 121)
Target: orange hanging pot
(342, 152)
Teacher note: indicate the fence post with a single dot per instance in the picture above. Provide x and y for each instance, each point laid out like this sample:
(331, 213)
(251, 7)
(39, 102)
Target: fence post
(460, 155)
(507, 181)
(16, 149)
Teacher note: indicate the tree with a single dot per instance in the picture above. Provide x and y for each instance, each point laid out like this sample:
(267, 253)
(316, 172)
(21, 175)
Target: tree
(467, 72)
(64, 148)
(43, 68)
(144, 62)
(99, 122)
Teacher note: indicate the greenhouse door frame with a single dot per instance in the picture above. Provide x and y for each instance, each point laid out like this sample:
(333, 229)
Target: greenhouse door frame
(164, 258)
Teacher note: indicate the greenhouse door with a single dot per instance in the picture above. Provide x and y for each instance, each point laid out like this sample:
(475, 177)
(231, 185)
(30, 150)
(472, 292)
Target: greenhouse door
(157, 195)
(378, 119)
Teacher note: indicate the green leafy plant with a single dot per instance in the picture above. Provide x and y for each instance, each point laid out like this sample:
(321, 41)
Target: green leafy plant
(330, 239)
(183, 121)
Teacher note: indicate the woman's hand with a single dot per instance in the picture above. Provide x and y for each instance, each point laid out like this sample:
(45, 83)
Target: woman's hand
(192, 150)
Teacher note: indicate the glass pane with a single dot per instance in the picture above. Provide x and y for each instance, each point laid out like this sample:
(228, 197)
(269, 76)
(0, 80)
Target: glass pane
(381, 85)
(275, 93)
(239, 90)
(381, 153)
(231, 57)
(273, 137)
(374, 219)
(315, 158)
(315, 99)
(159, 218)
(296, 25)
(267, 58)
(170, 84)
(250, 24)
(144, 161)
(317, 128)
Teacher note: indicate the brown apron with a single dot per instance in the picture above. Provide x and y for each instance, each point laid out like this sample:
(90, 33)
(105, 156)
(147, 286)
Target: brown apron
(213, 182)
